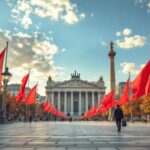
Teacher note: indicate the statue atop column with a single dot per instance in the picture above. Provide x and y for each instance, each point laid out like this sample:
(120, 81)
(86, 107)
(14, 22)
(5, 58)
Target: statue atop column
(111, 55)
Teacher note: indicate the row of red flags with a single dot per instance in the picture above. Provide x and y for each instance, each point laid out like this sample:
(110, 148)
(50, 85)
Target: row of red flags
(140, 86)
(49, 108)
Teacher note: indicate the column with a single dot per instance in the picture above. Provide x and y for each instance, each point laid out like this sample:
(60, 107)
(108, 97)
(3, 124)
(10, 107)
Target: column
(86, 99)
(80, 103)
(59, 100)
(65, 103)
(99, 97)
(71, 103)
(48, 97)
(53, 98)
(93, 103)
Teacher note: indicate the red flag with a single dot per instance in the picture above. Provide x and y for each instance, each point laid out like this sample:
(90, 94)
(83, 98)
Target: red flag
(101, 109)
(139, 84)
(147, 89)
(21, 94)
(31, 98)
(49, 108)
(92, 112)
(45, 106)
(2, 54)
(109, 100)
(52, 109)
(125, 95)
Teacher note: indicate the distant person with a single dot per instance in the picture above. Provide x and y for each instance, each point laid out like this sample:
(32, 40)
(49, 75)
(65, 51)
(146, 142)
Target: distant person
(30, 119)
(118, 115)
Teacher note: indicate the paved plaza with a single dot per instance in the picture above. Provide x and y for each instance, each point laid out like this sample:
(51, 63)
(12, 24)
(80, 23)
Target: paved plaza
(73, 136)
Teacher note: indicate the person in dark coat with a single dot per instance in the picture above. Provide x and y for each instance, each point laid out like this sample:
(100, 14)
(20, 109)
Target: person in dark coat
(118, 115)
(30, 119)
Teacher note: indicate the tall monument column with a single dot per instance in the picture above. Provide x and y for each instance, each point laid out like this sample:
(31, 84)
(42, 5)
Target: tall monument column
(111, 55)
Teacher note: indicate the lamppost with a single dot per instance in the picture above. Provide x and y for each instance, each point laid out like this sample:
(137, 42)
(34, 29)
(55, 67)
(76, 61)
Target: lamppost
(6, 76)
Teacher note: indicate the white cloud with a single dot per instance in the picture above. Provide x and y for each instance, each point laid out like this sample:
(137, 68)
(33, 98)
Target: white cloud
(30, 51)
(82, 16)
(124, 32)
(118, 33)
(130, 67)
(20, 45)
(127, 41)
(70, 18)
(127, 31)
(23, 11)
(131, 42)
(26, 21)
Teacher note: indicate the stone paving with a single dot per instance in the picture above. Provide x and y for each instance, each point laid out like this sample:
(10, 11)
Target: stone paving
(73, 136)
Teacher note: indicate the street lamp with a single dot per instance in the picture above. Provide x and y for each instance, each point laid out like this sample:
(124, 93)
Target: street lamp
(6, 76)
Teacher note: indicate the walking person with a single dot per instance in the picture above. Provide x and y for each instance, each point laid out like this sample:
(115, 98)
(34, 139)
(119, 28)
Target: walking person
(30, 119)
(118, 115)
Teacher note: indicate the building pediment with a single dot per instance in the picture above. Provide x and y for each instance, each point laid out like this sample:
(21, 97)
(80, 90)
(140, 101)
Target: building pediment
(76, 84)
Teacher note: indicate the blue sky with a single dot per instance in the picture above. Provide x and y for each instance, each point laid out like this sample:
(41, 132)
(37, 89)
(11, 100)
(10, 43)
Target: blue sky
(60, 36)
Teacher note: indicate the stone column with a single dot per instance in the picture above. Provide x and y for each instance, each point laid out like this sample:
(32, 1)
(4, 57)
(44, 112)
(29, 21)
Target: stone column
(86, 99)
(99, 97)
(93, 100)
(80, 103)
(53, 98)
(59, 100)
(65, 102)
(71, 103)
(111, 55)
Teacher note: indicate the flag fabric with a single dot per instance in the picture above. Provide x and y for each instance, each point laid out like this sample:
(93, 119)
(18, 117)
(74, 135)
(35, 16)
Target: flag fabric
(52, 109)
(45, 105)
(109, 100)
(125, 95)
(49, 108)
(147, 89)
(101, 109)
(21, 94)
(139, 84)
(31, 98)
(2, 54)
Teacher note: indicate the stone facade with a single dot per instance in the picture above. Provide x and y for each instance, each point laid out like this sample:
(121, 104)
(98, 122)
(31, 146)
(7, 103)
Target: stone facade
(75, 96)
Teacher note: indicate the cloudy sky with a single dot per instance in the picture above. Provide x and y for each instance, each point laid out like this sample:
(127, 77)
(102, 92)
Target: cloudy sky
(56, 37)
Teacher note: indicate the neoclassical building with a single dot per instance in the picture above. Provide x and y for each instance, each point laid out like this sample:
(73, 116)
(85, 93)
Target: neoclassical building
(75, 96)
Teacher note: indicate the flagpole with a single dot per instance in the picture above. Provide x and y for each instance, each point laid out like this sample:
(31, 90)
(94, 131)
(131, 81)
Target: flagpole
(131, 102)
(37, 98)
(26, 104)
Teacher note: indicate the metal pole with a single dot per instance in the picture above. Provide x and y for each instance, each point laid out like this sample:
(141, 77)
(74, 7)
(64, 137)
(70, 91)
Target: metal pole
(130, 95)
(4, 115)
(6, 55)
(26, 104)
(5, 84)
